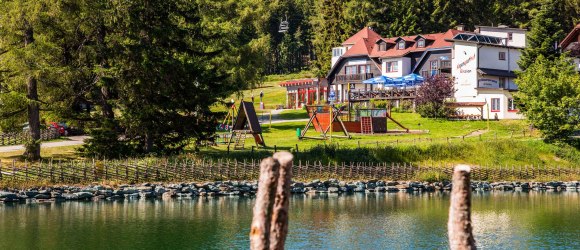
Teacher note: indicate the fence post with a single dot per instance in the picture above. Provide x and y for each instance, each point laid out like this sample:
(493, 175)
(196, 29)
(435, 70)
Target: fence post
(260, 229)
(459, 225)
(279, 224)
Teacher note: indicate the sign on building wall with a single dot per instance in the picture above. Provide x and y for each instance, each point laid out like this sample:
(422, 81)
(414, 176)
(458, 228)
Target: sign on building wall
(462, 65)
(486, 82)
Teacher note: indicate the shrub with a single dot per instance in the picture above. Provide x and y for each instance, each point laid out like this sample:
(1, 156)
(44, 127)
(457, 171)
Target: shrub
(431, 97)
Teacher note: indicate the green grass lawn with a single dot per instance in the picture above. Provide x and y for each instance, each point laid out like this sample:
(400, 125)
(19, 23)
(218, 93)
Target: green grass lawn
(442, 143)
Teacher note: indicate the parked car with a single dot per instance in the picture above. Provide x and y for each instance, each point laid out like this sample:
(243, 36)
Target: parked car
(61, 127)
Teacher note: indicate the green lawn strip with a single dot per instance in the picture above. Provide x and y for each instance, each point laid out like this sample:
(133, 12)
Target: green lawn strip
(503, 144)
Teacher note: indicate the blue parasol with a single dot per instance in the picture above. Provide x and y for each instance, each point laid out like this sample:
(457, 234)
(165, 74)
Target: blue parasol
(379, 80)
(413, 79)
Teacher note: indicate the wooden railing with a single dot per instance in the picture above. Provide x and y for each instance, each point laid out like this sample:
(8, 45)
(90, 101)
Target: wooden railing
(353, 77)
(391, 94)
(191, 169)
(22, 137)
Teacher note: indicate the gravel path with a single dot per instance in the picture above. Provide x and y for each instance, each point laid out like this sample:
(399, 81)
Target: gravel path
(72, 141)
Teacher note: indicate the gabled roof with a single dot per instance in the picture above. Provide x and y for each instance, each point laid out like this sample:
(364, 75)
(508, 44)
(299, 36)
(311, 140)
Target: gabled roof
(361, 47)
(570, 37)
(365, 33)
(437, 41)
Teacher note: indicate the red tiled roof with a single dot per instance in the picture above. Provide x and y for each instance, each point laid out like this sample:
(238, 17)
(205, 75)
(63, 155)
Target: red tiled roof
(366, 33)
(570, 37)
(297, 82)
(437, 41)
(361, 47)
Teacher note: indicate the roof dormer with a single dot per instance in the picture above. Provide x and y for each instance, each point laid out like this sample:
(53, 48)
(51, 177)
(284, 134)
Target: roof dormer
(421, 43)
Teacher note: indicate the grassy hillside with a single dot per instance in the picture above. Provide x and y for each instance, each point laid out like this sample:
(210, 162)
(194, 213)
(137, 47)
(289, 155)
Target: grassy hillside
(273, 94)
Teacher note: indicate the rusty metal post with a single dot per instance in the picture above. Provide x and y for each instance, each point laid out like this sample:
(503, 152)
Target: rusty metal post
(459, 225)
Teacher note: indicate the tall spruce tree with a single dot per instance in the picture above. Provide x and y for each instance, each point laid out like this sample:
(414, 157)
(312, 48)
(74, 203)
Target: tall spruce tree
(28, 60)
(546, 32)
(327, 33)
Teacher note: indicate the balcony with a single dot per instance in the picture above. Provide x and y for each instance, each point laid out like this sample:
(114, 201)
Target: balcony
(353, 77)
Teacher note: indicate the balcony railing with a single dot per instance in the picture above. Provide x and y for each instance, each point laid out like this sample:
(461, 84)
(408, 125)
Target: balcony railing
(353, 77)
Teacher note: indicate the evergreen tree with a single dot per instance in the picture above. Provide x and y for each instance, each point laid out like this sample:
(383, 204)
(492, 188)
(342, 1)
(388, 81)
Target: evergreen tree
(546, 32)
(27, 61)
(328, 33)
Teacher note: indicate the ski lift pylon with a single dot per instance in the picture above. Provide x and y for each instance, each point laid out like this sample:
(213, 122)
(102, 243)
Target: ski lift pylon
(284, 25)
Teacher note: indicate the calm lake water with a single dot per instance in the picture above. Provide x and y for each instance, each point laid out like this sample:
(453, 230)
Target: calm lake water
(502, 220)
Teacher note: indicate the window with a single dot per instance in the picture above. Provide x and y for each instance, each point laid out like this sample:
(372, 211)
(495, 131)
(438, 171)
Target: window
(502, 83)
(502, 56)
(511, 105)
(336, 52)
(392, 67)
(495, 104)
(401, 45)
(425, 74)
(364, 69)
(434, 66)
(510, 36)
(421, 43)
(350, 70)
(382, 46)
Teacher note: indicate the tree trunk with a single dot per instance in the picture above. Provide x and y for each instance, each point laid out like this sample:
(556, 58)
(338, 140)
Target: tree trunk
(105, 93)
(33, 146)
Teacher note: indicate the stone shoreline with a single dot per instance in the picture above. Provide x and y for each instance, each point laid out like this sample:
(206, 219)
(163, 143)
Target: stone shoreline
(249, 188)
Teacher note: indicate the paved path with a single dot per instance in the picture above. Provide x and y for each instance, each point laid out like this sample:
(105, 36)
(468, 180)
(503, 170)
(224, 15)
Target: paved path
(72, 141)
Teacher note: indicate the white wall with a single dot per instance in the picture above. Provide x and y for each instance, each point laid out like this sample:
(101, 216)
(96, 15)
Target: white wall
(335, 57)
(503, 113)
(357, 62)
(464, 70)
(489, 58)
(404, 64)
(518, 36)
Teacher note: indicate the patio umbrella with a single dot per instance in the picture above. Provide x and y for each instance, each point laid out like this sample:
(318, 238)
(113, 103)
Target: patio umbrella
(412, 79)
(376, 80)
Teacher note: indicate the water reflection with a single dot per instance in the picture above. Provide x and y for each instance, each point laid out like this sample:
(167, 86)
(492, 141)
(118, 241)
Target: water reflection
(328, 221)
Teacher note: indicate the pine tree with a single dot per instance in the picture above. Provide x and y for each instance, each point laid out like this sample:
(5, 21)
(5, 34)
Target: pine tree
(328, 32)
(545, 33)
(27, 60)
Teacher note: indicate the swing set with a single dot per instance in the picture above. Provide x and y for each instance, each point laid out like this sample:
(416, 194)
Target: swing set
(322, 117)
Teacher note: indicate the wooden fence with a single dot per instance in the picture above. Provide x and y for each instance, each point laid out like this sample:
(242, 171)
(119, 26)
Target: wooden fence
(22, 137)
(200, 170)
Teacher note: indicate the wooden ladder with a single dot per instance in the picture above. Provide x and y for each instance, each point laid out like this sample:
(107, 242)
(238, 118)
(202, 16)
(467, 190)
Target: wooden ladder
(366, 125)
(240, 139)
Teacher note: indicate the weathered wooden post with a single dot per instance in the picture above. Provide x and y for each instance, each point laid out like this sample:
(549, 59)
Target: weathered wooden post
(279, 226)
(261, 222)
(270, 221)
(459, 225)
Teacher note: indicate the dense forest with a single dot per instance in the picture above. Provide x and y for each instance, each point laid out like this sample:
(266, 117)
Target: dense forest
(141, 75)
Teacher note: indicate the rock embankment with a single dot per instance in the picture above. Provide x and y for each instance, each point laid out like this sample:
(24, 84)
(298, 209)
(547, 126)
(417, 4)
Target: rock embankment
(249, 188)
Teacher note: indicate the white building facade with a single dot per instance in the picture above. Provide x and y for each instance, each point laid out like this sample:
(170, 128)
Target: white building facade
(483, 65)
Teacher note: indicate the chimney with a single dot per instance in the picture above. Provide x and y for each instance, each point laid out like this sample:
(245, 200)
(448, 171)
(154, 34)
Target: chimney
(460, 27)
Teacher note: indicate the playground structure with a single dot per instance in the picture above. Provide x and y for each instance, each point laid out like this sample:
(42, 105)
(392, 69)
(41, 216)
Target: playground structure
(366, 121)
(228, 122)
(323, 118)
(374, 121)
(245, 122)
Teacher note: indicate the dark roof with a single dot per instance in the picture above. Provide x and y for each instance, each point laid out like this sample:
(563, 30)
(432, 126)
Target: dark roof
(496, 72)
(465, 104)
(477, 38)
(570, 37)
